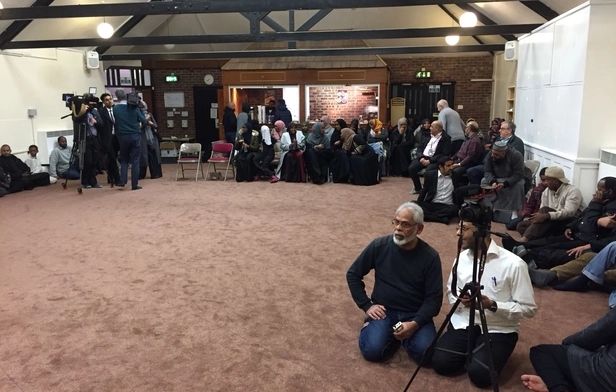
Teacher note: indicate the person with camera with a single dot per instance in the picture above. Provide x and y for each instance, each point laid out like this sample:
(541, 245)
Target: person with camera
(128, 120)
(507, 297)
(94, 126)
(407, 293)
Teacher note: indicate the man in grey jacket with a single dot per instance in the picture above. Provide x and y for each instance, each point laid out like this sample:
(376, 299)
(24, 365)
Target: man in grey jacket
(452, 124)
(584, 362)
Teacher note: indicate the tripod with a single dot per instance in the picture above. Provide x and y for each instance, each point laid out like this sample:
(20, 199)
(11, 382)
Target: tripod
(472, 290)
(77, 152)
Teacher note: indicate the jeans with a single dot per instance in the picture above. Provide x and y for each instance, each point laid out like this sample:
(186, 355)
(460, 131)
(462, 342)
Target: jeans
(377, 341)
(130, 152)
(603, 261)
(72, 173)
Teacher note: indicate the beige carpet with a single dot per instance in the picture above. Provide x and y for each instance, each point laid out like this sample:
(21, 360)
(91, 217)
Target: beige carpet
(213, 286)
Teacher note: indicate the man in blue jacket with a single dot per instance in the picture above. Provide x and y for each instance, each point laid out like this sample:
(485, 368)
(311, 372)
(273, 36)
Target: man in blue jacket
(128, 121)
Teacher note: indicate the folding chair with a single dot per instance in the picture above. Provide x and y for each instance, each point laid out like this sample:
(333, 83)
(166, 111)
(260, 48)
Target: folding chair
(221, 153)
(189, 153)
(534, 168)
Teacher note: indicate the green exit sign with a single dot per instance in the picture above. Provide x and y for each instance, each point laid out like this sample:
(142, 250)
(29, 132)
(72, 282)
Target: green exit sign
(423, 74)
(171, 79)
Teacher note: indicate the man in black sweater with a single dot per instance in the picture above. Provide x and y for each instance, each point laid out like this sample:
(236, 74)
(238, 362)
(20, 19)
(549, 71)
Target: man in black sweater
(408, 289)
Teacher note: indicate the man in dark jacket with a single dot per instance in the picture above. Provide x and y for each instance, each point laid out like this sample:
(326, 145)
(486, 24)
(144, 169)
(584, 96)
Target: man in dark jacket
(282, 113)
(584, 362)
(504, 170)
(109, 141)
(20, 172)
(429, 152)
(437, 196)
(468, 155)
(229, 121)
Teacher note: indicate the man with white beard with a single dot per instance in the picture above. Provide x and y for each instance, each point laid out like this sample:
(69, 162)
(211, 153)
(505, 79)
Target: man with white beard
(408, 289)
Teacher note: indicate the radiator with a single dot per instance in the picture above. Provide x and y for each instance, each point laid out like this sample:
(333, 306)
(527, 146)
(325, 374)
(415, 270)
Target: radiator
(607, 166)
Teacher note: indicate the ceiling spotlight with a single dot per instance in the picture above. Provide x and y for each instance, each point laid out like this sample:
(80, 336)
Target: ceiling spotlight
(468, 19)
(169, 46)
(452, 39)
(105, 30)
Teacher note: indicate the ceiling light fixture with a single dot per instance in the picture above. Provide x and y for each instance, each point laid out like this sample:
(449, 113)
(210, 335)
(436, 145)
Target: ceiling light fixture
(452, 39)
(1, 6)
(468, 19)
(104, 30)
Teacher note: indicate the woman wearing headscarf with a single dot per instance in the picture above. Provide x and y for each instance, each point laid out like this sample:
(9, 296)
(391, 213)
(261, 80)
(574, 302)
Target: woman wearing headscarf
(291, 167)
(316, 155)
(377, 133)
(150, 152)
(339, 165)
(263, 160)
(354, 125)
(494, 131)
(402, 142)
(363, 161)
(247, 144)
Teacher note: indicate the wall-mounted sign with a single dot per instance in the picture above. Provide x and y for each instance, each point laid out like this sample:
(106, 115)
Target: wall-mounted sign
(171, 79)
(342, 97)
(423, 74)
(434, 88)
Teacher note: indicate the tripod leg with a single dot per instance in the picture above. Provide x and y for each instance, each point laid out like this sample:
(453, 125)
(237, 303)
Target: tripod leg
(486, 342)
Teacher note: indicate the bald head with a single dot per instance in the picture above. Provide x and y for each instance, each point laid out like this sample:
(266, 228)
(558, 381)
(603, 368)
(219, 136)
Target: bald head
(436, 127)
(442, 104)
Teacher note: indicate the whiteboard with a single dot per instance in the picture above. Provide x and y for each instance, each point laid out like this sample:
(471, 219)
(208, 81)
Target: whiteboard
(174, 100)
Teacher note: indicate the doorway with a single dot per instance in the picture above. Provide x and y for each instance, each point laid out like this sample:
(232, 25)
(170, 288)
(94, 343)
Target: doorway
(421, 98)
(206, 117)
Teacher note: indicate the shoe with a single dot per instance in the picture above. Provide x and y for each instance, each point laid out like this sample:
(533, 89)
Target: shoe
(120, 185)
(98, 186)
(274, 179)
(136, 188)
(414, 192)
(257, 178)
(88, 186)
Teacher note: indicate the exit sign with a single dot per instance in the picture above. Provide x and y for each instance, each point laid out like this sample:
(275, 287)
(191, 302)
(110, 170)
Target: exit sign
(423, 74)
(171, 79)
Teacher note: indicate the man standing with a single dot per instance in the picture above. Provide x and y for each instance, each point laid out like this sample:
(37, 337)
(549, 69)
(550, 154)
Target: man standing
(60, 162)
(19, 171)
(507, 297)
(282, 113)
(560, 204)
(128, 129)
(229, 121)
(452, 124)
(407, 289)
(109, 140)
(429, 152)
(504, 170)
(437, 197)
(94, 125)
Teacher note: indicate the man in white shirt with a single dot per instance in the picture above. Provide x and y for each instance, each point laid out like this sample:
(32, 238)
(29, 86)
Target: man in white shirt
(560, 204)
(429, 153)
(437, 196)
(507, 297)
(452, 124)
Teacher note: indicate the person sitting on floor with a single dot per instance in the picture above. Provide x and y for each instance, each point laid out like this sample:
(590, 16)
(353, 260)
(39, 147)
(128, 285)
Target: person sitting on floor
(339, 166)
(363, 161)
(507, 298)
(504, 170)
(468, 155)
(437, 197)
(587, 231)
(291, 167)
(60, 162)
(18, 170)
(408, 288)
(429, 152)
(317, 154)
(247, 144)
(263, 160)
(34, 164)
(584, 362)
(533, 203)
(560, 204)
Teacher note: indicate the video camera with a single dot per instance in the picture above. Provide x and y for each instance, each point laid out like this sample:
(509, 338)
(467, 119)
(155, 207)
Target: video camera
(477, 213)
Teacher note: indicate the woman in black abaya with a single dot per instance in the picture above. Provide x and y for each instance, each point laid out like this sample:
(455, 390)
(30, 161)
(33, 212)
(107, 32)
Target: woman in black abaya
(363, 160)
(316, 154)
(339, 165)
(247, 144)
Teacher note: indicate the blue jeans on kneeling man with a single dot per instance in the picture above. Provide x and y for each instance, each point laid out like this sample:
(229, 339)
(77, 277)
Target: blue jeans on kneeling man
(377, 341)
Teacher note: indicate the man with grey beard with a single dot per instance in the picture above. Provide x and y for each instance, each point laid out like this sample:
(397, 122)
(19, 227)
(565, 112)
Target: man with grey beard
(408, 289)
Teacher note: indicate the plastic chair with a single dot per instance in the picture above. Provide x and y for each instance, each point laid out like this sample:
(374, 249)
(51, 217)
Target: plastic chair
(189, 153)
(533, 166)
(221, 153)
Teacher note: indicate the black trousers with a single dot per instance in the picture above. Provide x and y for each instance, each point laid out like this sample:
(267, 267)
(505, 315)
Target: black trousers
(551, 364)
(552, 251)
(263, 160)
(456, 175)
(438, 212)
(447, 363)
(90, 159)
(455, 146)
(110, 156)
(32, 181)
(415, 167)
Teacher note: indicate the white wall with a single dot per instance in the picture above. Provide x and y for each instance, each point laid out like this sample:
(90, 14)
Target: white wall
(36, 79)
(504, 76)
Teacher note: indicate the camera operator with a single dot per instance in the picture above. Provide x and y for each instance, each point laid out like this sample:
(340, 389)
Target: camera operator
(128, 120)
(507, 296)
(94, 126)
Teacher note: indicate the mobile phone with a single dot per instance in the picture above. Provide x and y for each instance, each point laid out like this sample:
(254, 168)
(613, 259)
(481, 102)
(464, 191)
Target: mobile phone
(397, 326)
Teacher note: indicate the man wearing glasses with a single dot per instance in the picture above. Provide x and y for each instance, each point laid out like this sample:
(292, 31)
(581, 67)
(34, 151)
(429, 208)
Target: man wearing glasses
(407, 290)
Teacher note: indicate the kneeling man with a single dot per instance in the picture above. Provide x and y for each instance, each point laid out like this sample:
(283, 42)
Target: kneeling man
(507, 297)
(407, 289)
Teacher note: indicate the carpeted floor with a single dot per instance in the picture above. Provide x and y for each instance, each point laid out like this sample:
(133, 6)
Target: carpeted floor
(213, 286)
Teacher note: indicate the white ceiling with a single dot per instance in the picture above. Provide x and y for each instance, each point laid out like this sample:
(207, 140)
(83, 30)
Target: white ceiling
(340, 19)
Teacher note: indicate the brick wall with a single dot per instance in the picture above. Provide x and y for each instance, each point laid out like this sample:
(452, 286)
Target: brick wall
(187, 79)
(323, 101)
(475, 96)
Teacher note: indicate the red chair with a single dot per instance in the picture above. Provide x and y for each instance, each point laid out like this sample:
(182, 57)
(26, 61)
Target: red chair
(221, 153)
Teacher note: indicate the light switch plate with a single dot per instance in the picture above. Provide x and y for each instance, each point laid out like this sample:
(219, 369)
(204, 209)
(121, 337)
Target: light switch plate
(169, 123)
(184, 123)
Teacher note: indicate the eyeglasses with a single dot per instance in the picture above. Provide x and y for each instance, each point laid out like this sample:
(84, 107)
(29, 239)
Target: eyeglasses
(404, 224)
